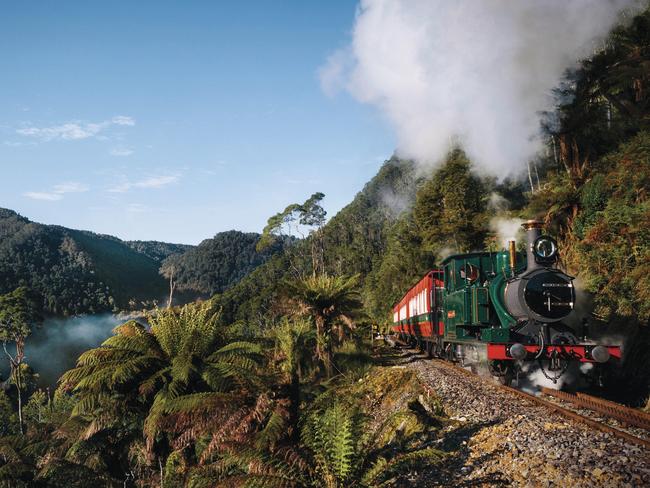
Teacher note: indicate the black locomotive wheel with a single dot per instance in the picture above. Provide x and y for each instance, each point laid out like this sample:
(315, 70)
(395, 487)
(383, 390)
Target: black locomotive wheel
(507, 378)
(502, 372)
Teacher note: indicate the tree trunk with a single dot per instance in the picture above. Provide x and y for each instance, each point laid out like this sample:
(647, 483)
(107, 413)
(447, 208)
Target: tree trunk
(314, 264)
(172, 286)
(539, 185)
(564, 154)
(294, 405)
(15, 374)
(530, 178)
(328, 362)
(14, 365)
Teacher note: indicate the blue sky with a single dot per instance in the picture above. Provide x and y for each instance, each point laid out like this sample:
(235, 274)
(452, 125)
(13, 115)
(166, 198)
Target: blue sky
(176, 120)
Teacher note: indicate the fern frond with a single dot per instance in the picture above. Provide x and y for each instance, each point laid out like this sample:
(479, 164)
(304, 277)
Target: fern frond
(274, 429)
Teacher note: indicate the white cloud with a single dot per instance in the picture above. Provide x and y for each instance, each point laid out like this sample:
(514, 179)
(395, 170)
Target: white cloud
(70, 187)
(121, 151)
(123, 120)
(156, 181)
(332, 74)
(136, 208)
(74, 130)
(149, 182)
(37, 195)
(57, 191)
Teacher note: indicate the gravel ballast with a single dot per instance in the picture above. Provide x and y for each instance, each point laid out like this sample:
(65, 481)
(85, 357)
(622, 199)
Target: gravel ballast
(502, 439)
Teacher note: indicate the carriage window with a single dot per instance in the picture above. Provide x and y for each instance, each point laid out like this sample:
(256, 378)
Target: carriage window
(469, 272)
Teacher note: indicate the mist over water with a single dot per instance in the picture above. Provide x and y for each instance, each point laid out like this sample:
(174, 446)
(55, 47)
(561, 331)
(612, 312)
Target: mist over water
(53, 347)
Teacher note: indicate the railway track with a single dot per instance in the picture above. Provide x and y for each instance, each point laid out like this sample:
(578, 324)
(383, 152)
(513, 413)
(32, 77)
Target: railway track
(602, 407)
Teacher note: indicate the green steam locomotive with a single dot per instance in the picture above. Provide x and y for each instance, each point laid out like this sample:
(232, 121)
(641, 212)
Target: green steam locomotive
(505, 308)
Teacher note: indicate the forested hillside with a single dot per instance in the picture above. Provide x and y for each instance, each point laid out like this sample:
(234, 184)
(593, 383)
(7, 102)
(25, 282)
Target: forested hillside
(73, 271)
(157, 250)
(218, 263)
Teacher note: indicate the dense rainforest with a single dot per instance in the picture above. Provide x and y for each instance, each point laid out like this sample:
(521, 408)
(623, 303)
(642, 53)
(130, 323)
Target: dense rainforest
(74, 272)
(272, 381)
(218, 263)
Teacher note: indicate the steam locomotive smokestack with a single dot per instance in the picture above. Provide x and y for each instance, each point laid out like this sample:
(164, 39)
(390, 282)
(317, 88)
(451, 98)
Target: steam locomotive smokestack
(512, 251)
(533, 230)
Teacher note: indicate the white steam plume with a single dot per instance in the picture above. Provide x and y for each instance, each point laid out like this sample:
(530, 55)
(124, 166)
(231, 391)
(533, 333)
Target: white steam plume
(474, 72)
(506, 230)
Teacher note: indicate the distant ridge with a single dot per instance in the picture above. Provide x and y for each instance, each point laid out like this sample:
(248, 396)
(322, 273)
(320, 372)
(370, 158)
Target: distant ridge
(75, 271)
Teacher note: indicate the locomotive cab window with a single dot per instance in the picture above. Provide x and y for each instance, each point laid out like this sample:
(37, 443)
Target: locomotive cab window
(469, 272)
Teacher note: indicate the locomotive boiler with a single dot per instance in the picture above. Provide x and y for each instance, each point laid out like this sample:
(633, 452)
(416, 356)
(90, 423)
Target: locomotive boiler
(506, 308)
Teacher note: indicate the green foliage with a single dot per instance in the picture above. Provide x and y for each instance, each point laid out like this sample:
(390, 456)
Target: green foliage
(8, 420)
(333, 303)
(360, 434)
(17, 313)
(613, 232)
(71, 271)
(177, 366)
(310, 214)
(218, 263)
(405, 261)
(158, 251)
(276, 224)
(36, 410)
(294, 342)
(355, 239)
(449, 209)
(331, 434)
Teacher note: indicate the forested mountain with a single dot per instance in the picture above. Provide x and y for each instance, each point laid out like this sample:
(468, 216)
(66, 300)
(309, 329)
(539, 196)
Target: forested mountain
(74, 271)
(157, 250)
(218, 263)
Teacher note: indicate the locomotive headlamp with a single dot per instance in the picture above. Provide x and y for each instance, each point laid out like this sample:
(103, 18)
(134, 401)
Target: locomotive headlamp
(518, 351)
(600, 354)
(545, 248)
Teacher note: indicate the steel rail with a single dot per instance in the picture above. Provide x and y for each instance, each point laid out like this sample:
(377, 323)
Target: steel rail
(610, 409)
(565, 412)
(594, 424)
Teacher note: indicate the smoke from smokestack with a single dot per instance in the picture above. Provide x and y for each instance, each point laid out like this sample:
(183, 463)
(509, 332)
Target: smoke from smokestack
(474, 72)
